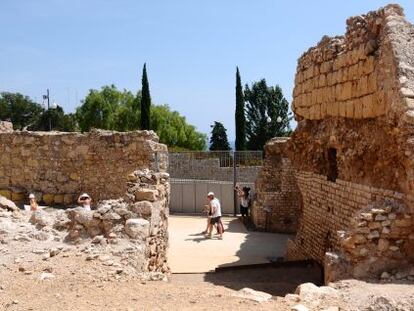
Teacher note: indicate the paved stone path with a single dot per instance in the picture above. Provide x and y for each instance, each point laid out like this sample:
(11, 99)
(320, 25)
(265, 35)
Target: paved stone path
(191, 252)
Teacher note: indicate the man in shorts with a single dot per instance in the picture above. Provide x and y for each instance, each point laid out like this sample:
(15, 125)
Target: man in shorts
(215, 219)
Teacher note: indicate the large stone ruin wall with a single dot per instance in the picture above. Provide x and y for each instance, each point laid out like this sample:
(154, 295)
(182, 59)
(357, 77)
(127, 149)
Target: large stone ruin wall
(58, 166)
(128, 228)
(277, 205)
(353, 147)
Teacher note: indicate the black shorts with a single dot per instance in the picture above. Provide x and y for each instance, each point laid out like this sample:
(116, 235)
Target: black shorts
(244, 210)
(215, 220)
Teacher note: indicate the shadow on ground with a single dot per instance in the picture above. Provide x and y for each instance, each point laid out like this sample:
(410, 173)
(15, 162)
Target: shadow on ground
(277, 281)
(276, 278)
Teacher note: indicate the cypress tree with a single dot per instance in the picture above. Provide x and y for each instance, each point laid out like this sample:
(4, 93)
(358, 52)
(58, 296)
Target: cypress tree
(145, 101)
(240, 115)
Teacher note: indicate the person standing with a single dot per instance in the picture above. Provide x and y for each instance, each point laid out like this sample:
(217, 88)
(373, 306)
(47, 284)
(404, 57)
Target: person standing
(207, 210)
(215, 208)
(33, 204)
(244, 196)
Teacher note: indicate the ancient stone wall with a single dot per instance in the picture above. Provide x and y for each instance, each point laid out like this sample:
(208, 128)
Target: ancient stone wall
(277, 204)
(353, 147)
(186, 166)
(57, 166)
(370, 227)
(6, 126)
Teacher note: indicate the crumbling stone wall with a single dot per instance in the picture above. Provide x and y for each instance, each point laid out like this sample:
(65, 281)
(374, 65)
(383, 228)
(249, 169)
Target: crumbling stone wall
(129, 232)
(135, 226)
(58, 166)
(353, 147)
(277, 204)
(370, 227)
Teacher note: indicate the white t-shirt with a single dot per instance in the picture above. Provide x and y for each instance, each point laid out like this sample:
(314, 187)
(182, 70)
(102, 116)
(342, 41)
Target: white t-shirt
(215, 204)
(244, 202)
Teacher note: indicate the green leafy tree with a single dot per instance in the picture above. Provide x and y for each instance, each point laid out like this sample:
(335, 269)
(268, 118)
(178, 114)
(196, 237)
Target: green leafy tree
(100, 109)
(218, 139)
(266, 114)
(174, 131)
(19, 109)
(58, 119)
(112, 109)
(240, 116)
(145, 101)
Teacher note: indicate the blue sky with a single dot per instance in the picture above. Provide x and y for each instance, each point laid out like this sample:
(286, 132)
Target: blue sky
(191, 47)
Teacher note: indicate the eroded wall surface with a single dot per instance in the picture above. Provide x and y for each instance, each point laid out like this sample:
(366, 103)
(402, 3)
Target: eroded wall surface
(58, 166)
(353, 147)
(277, 205)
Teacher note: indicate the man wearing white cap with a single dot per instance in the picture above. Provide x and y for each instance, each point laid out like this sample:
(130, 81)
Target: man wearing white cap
(215, 208)
(85, 201)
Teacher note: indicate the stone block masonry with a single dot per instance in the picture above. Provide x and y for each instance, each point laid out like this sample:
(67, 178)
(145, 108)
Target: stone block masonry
(277, 205)
(352, 150)
(58, 166)
(370, 228)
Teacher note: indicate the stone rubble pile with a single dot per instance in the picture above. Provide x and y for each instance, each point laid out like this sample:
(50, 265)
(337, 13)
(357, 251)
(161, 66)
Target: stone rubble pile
(129, 234)
(380, 236)
(308, 296)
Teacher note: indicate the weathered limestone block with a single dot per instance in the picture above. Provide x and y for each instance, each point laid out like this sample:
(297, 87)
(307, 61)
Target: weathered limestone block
(146, 195)
(6, 127)
(48, 198)
(7, 204)
(137, 228)
(5, 193)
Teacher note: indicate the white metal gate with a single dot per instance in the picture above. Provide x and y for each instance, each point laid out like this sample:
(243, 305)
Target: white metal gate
(194, 174)
(190, 196)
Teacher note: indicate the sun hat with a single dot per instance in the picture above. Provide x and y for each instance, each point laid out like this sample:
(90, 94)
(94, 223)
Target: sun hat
(32, 196)
(85, 195)
(210, 194)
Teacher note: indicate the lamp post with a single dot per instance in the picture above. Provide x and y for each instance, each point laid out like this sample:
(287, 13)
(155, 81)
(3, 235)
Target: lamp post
(49, 107)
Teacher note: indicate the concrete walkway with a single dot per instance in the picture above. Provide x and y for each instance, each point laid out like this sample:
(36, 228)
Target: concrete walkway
(191, 252)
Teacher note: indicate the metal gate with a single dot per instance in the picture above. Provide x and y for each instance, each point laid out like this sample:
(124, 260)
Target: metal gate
(194, 174)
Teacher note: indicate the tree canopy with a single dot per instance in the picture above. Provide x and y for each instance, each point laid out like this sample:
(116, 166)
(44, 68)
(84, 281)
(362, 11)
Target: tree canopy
(266, 114)
(19, 109)
(113, 109)
(109, 109)
(218, 139)
(25, 113)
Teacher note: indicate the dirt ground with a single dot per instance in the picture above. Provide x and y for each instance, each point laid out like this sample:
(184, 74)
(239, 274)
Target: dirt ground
(79, 284)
